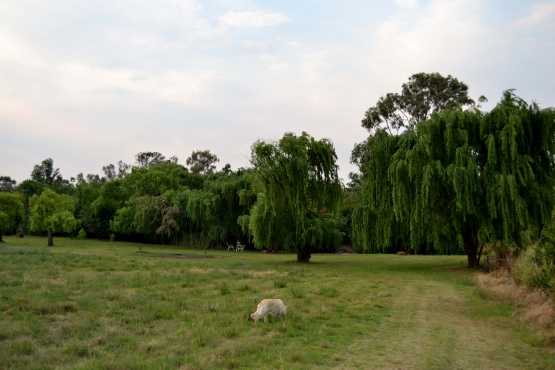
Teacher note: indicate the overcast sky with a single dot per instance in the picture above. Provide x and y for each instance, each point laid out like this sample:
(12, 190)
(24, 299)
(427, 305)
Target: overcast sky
(92, 82)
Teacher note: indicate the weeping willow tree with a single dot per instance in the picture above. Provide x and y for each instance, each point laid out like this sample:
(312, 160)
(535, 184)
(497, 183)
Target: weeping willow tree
(299, 194)
(461, 180)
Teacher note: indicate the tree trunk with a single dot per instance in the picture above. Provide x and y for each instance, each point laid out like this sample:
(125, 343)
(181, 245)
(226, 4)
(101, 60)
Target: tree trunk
(473, 261)
(50, 239)
(471, 248)
(303, 255)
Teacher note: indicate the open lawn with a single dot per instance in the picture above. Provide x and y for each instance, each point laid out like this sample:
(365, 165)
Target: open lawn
(101, 305)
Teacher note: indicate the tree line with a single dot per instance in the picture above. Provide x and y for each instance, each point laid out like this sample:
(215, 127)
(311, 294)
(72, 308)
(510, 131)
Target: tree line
(158, 200)
(436, 175)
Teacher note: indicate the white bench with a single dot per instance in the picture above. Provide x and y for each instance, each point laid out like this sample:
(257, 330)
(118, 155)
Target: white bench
(236, 248)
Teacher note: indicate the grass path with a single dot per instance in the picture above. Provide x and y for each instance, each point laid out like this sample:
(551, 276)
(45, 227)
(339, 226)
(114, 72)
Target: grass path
(101, 305)
(447, 325)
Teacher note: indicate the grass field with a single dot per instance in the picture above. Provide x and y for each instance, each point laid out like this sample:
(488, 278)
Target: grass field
(101, 305)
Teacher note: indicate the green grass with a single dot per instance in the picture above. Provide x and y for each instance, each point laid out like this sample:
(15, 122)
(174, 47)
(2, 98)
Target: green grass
(100, 305)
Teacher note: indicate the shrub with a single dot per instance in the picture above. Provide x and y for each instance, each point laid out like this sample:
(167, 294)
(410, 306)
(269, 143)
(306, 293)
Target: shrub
(533, 269)
(82, 234)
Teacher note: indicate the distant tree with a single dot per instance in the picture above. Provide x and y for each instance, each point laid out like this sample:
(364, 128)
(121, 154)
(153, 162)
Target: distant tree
(80, 178)
(159, 178)
(422, 95)
(85, 194)
(52, 213)
(94, 178)
(299, 194)
(170, 223)
(226, 170)
(148, 214)
(7, 183)
(3, 222)
(109, 172)
(110, 197)
(45, 173)
(29, 188)
(202, 162)
(141, 216)
(354, 181)
(123, 221)
(145, 159)
(11, 212)
(48, 176)
(123, 169)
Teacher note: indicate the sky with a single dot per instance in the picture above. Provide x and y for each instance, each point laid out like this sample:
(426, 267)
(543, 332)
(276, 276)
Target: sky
(89, 83)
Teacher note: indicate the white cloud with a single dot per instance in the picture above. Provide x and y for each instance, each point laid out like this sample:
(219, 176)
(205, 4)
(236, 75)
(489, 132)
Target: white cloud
(181, 87)
(407, 4)
(540, 13)
(253, 18)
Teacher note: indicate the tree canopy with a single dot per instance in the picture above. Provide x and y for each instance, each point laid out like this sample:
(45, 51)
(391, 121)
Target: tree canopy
(7, 183)
(51, 213)
(423, 95)
(202, 162)
(11, 212)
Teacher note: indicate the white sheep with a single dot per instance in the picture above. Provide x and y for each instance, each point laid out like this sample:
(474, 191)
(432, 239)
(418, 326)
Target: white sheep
(269, 307)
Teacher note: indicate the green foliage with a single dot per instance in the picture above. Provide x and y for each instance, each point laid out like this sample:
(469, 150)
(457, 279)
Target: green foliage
(142, 215)
(123, 221)
(82, 234)
(533, 269)
(207, 216)
(299, 193)
(52, 213)
(158, 178)
(11, 207)
(461, 180)
(546, 247)
(4, 219)
(536, 266)
(377, 227)
(28, 188)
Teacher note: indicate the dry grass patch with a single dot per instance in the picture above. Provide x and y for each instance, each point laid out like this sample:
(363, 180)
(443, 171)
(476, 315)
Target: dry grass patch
(199, 270)
(266, 273)
(533, 305)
